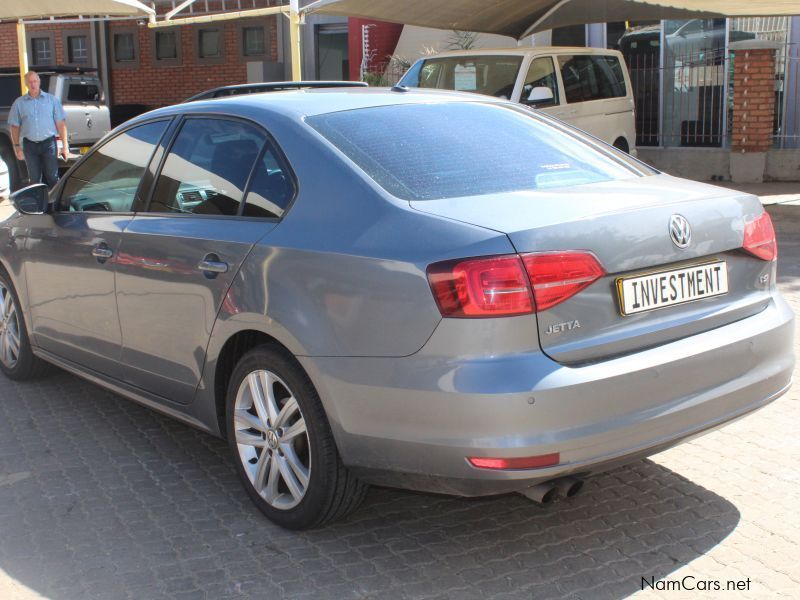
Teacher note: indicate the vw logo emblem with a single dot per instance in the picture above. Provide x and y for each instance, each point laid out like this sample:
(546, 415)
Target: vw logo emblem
(680, 231)
(272, 439)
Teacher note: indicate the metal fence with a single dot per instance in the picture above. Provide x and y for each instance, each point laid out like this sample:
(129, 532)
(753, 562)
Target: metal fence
(787, 98)
(682, 102)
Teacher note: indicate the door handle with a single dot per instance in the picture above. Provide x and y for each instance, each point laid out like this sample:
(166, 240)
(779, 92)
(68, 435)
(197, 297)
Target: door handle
(211, 266)
(102, 252)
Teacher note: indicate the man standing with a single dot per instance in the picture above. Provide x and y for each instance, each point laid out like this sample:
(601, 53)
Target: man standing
(35, 119)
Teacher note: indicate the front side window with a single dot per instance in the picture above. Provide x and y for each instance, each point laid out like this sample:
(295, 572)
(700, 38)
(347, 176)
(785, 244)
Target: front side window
(107, 180)
(447, 150)
(589, 77)
(78, 49)
(490, 75)
(207, 168)
(541, 74)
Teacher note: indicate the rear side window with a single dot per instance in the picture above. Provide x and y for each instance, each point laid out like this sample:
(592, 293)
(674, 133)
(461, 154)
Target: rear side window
(207, 168)
(490, 75)
(590, 77)
(83, 92)
(271, 188)
(445, 150)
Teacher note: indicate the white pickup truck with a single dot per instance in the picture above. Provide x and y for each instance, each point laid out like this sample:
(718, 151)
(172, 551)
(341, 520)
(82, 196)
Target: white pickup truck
(88, 117)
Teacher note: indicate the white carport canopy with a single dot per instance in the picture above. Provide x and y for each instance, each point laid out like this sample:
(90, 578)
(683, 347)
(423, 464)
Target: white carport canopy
(520, 18)
(18, 10)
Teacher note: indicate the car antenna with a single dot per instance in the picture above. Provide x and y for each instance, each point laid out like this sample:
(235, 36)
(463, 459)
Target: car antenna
(399, 88)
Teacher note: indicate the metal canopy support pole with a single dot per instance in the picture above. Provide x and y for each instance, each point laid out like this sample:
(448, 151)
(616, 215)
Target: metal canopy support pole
(23, 55)
(294, 40)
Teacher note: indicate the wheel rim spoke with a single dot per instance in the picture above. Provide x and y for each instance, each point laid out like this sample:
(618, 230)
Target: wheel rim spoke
(290, 479)
(270, 491)
(268, 383)
(259, 402)
(296, 465)
(243, 420)
(292, 432)
(262, 469)
(245, 438)
(287, 411)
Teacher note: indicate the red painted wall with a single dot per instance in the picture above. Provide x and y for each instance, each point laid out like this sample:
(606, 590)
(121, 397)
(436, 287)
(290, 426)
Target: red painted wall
(383, 38)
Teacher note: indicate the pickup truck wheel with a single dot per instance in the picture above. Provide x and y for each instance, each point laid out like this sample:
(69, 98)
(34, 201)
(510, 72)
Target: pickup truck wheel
(282, 443)
(16, 358)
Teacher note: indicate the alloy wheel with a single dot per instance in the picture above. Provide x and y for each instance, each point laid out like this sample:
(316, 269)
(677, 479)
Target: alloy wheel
(9, 328)
(272, 439)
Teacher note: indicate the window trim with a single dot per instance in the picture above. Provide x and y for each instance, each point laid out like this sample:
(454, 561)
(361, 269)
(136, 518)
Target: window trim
(58, 205)
(126, 64)
(167, 62)
(30, 36)
(197, 30)
(270, 139)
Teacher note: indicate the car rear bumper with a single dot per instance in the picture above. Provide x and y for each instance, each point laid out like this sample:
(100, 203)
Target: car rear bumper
(411, 422)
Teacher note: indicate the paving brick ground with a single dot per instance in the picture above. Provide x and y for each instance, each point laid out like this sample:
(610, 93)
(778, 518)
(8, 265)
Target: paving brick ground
(100, 498)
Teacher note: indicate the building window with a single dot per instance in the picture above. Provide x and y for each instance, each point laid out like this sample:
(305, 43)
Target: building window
(210, 43)
(166, 45)
(253, 41)
(77, 49)
(41, 51)
(124, 47)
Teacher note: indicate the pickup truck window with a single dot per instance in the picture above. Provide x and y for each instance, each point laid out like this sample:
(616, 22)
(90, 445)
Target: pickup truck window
(83, 92)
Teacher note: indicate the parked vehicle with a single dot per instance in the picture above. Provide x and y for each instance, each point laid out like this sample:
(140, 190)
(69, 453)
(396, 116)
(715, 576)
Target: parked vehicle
(366, 286)
(80, 93)
(270, 86)
(585, 87)
(5, 181)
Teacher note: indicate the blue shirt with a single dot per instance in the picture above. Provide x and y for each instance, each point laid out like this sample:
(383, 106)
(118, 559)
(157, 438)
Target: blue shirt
(36, 117)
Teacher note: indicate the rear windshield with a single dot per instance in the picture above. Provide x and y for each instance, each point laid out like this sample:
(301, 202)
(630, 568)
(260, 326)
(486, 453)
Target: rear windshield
(83, 92)
(447, 150)
(490, 75)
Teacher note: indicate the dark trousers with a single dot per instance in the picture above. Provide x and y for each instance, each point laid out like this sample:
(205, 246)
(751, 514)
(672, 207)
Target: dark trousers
(41, 158)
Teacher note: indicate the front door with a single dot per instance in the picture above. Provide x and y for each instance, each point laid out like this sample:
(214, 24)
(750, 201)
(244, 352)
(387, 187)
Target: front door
(179, 257)
(71, 269)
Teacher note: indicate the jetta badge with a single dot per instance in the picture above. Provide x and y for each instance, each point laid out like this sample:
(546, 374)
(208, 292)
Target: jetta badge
(680, 231)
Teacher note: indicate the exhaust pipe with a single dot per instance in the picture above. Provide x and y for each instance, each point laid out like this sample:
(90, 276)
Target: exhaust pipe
(544, 493)
(568, 486)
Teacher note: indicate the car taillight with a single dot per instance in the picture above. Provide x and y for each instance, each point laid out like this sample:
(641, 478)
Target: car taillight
(502, 286)
(525, 462)
(481, 287)
(557, 276)
(759, 238)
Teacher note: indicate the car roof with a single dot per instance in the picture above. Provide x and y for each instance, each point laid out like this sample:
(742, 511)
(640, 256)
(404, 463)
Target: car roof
(297, 104)
(524, 51)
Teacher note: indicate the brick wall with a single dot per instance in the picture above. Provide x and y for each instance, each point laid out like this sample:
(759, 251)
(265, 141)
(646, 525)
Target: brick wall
(753, 100)
(151, 85)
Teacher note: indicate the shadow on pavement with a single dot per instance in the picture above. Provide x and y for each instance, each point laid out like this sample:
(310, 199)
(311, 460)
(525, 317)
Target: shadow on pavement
(102, 498)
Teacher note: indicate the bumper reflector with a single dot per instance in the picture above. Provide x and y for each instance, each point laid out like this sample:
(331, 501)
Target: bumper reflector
(524, 462)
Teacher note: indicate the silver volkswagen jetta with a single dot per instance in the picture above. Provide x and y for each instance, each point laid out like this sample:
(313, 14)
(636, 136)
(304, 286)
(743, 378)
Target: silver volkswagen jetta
(427, 290)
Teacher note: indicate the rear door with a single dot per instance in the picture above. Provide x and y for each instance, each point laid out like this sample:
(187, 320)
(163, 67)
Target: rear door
(180, 255)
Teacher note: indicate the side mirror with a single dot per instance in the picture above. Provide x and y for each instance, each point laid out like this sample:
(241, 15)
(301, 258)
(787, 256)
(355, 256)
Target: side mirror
(540, 94)
(32, 200)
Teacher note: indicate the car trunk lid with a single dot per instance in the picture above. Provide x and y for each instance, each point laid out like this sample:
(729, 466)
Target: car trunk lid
(627, 226)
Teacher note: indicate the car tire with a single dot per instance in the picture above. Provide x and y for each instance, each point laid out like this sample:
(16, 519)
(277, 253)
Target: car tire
(17, 360)
(622, 144)
(282, 443)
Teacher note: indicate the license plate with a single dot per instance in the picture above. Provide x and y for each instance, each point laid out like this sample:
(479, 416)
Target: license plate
(668, 288)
